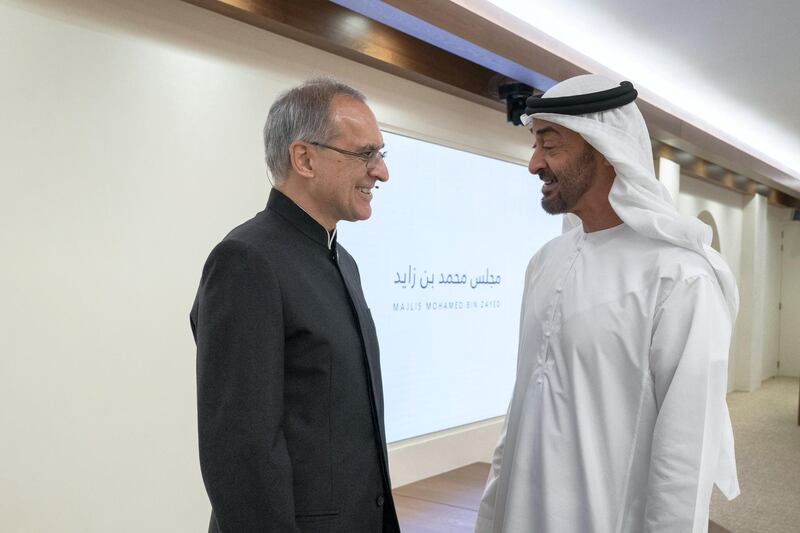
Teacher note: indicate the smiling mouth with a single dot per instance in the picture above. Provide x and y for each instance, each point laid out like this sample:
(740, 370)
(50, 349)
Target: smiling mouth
(366, 191)
(550, 183)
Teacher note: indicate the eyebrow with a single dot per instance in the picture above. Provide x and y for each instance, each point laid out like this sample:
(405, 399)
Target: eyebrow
(371, 147)
(547, 129)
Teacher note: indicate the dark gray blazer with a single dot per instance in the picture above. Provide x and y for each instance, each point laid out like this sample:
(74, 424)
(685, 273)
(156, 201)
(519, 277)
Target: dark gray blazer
(289, 396)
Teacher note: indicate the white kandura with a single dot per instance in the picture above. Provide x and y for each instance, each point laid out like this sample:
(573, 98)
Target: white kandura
(618, 421)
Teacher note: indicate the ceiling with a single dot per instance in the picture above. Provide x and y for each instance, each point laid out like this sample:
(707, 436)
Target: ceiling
(717, 78)
(730, 67)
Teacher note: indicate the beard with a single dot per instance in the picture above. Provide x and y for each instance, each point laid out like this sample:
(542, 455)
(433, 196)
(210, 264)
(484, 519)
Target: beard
(573, 181)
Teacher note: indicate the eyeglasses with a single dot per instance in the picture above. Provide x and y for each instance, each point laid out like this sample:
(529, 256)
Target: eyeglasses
(370, 157)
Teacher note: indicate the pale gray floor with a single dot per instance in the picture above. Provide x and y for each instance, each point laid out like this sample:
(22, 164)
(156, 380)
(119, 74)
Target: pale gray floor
(768, 458)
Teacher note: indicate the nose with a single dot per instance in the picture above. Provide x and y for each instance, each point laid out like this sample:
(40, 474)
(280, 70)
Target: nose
(380, 171)
(536, 163)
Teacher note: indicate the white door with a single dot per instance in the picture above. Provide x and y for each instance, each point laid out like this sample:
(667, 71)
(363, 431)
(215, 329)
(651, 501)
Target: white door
(790, 301)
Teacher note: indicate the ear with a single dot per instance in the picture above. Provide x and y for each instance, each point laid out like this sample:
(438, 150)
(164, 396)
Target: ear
(300, 156)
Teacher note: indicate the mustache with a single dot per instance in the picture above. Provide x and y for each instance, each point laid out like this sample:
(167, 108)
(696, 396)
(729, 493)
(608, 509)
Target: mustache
(547, 175)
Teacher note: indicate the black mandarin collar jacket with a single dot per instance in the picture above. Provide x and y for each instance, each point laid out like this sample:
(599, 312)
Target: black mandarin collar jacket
(290, 402)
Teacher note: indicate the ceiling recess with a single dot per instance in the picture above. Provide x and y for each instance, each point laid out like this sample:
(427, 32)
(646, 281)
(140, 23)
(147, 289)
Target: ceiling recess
(488, 55)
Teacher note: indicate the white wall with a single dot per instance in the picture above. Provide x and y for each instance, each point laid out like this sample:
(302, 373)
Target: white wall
(130, 145)
(749, 366)
(726, 208)
(790, 298)
(771, 320)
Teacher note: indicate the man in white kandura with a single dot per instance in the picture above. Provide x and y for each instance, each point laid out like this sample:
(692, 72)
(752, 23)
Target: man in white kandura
(618, 421)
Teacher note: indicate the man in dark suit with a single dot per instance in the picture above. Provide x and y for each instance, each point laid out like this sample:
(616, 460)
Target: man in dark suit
(289, 396)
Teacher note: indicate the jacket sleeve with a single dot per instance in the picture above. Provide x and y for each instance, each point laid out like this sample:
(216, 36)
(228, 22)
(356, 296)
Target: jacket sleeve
(239, 331)
(689, 364)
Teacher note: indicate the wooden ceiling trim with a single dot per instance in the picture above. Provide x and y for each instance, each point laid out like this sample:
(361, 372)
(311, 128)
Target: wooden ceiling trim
(338, 30)
(461, 21)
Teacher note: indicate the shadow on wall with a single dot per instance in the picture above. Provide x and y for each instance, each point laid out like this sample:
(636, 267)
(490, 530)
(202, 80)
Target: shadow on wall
(708, 218)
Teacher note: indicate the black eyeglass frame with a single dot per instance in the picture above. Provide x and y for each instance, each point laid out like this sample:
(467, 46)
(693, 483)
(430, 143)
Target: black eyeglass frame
(369, 158)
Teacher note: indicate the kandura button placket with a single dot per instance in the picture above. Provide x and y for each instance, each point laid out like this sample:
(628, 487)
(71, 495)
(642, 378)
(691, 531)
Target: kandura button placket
(551, 326)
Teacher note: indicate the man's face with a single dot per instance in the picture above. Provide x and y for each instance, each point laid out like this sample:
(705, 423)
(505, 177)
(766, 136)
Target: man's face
(566, 164)
(344, 189)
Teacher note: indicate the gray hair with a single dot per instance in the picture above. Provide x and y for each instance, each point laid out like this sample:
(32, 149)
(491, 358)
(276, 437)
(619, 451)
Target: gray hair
(301, 113)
